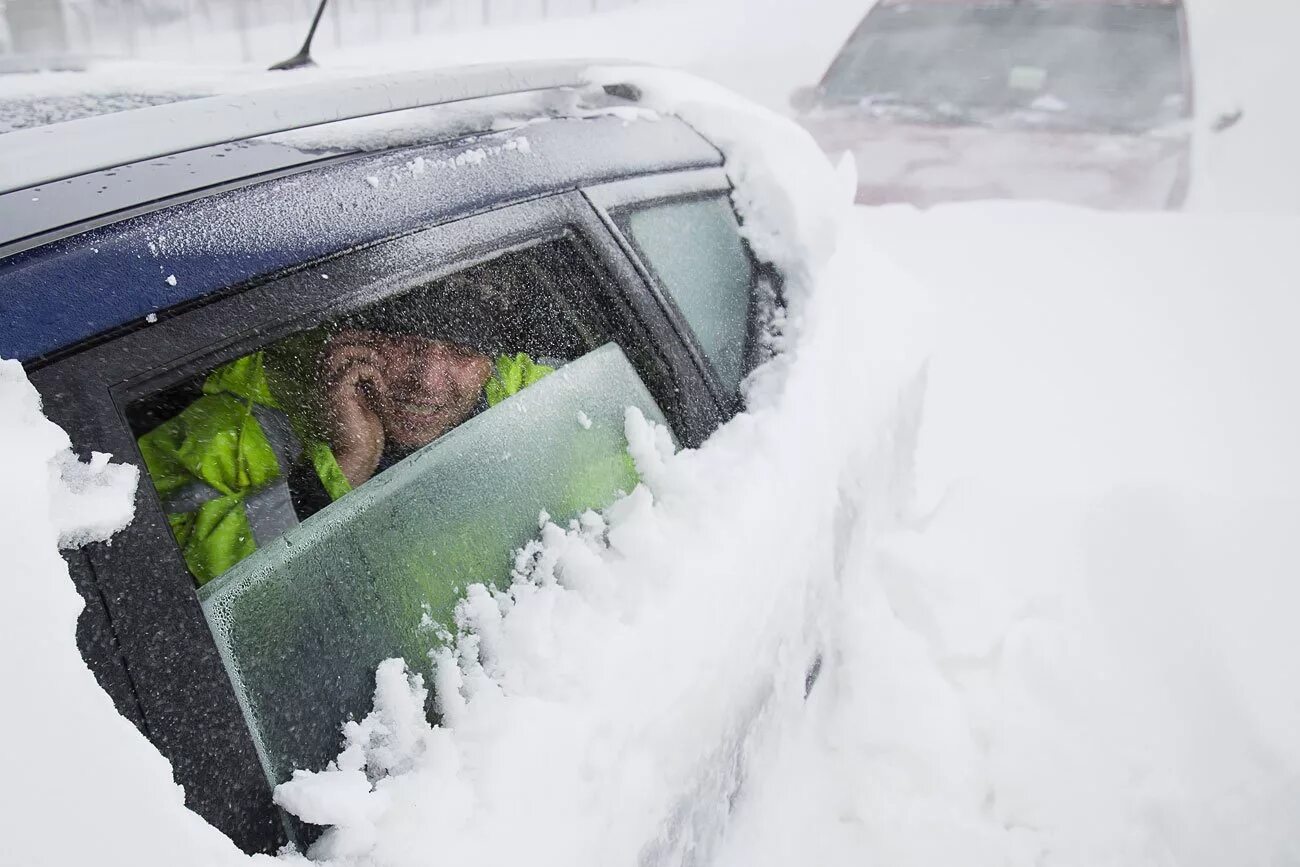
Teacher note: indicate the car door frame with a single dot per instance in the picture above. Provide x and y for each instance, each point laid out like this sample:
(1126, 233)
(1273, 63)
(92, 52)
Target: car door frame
(167, 676)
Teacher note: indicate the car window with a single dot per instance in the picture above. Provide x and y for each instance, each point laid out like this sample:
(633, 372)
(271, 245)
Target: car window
(303, 621)
(248, 449)
(335, 490)
(694, 248)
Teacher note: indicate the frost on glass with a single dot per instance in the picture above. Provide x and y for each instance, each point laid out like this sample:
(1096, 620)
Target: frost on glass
(695, 249)
(302, 623)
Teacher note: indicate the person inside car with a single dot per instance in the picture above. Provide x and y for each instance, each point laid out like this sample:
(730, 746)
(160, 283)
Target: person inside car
(281, 433)
(388, 394)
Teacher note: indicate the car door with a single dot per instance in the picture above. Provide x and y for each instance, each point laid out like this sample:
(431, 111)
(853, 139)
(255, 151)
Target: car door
(215, 677)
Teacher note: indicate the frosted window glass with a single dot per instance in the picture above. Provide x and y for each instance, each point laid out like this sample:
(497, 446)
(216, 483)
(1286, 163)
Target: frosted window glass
(302, 622)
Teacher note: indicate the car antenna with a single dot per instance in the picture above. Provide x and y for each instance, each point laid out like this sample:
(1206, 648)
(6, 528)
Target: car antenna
(303, 57)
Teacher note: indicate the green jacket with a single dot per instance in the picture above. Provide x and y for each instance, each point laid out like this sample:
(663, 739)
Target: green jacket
(214, 464)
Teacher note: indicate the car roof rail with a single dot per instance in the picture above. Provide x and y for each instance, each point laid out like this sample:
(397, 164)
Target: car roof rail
(41, 155)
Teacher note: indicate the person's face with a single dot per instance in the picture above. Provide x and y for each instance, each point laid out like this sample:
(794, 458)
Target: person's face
(429, 386)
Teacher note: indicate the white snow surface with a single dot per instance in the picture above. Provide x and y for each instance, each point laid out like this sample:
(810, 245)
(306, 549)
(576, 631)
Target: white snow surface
(1077, 650)
(1037, 523)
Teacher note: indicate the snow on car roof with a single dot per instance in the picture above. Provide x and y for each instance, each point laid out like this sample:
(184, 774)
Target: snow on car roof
(37, 94)
(43, 154)
(27, 111)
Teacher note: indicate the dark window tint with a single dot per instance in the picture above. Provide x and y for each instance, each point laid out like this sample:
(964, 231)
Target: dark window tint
(695, 249)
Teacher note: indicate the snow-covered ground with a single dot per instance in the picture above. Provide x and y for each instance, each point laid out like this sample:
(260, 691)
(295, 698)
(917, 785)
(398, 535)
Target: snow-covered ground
(1080, 651)
(1025, 480)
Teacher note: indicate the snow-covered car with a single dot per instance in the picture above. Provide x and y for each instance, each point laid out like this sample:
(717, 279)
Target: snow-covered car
(1081, 101)
(162, 266)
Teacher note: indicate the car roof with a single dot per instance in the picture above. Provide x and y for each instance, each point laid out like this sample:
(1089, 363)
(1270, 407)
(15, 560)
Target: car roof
(43, 154)
(302, 198)
(64, 176)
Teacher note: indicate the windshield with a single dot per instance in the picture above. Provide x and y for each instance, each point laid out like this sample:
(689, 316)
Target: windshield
(1079, 65)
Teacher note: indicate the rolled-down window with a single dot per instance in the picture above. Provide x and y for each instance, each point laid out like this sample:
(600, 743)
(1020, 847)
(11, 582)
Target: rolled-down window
(334, 492)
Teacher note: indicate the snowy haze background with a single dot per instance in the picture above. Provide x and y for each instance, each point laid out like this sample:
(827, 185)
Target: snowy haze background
(1025, 479)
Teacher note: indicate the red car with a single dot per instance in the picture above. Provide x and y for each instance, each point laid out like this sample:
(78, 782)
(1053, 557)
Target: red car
(1082, 101)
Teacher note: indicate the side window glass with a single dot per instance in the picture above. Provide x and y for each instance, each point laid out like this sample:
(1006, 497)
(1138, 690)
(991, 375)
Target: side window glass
(694, 248)
(303, 622)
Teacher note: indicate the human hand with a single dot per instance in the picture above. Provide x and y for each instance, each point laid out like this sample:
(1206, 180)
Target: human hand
(354, 391)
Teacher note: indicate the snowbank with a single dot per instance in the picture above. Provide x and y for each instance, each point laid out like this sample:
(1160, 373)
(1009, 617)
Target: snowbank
(1079, 652)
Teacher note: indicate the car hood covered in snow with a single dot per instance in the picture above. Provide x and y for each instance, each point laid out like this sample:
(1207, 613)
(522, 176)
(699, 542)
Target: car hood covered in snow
(924, 164)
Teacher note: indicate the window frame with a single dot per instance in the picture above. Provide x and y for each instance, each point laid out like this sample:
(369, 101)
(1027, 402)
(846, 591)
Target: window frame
(615, 200)
(167, 675)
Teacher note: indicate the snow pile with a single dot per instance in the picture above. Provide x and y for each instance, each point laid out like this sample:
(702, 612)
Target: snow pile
(81, 785)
